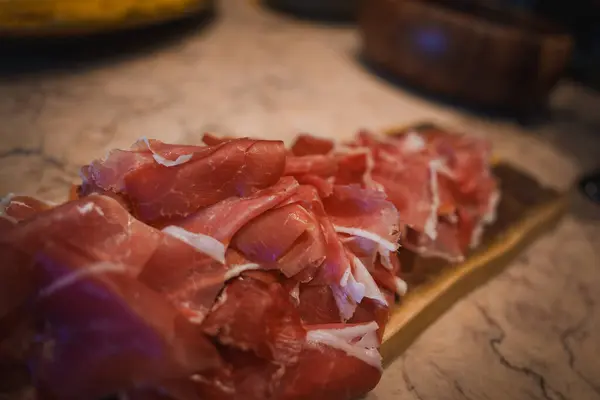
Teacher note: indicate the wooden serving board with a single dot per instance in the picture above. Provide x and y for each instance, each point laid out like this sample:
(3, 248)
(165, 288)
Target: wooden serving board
(526, 210)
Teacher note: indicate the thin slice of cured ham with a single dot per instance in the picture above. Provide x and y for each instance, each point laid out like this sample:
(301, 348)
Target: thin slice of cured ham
(96, 226)
(338, 361)
(433, 177)
(320, 165)
(222, 220)
(15, 208)
(305, 145)
(158, 193)
(261, 331)
(364, 213)
(211, 140)
(288, 238)
(233, 270)
(106, 332)
(336, 269)
(189, 279)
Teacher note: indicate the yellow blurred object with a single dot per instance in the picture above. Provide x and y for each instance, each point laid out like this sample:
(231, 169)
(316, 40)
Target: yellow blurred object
(37, 17)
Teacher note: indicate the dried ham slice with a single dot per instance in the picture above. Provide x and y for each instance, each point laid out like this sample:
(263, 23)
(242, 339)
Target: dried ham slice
(14, 208)
(252, 315)
(305, 145)
(222, 220)
(233, 270)
(435, 180)
(262, 334)
(339, 361)
(211, 140)
(364, 213)
(106, 332)
(96, 226)
(288, 238)
(320, 165)
(158, 193)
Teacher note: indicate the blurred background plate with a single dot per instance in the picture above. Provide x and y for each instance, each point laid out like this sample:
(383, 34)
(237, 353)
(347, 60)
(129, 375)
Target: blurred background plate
(42, 18)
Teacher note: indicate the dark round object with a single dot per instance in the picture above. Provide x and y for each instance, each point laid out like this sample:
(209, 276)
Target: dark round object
(342, 10)
(470, 51)
(590, 186)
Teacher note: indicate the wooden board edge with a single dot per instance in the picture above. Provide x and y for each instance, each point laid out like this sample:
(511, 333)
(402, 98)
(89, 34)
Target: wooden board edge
(421, 307)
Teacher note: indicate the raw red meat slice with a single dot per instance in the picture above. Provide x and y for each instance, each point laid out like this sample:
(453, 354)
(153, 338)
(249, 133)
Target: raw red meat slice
(320, 165)
(288, 236)
(323, 186)
(348, 281)
(351, 168)
(428, 177)
(96, 226)
(222, 220)
(334, 365)
(211, 140)
(252, 315)
(16, 282)
(107, 332)
(317, 305)
(14, 208)
(189, 279)
(365, 213)
(247, 256)
(261, 331)
(310, 145)
(158, 193)
(336, 270)
(355, 166)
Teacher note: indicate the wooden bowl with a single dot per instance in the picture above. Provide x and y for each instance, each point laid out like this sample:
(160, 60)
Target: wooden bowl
(466, 50)
(57, 18)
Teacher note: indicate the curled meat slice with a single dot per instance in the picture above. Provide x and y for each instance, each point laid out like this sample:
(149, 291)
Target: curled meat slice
(211, 140)
(305, 145)
(15, 208)
(366, 214)
(288, 237)
(158, 193)
(221, 221)
(320, 165)
(261, 334)
(338, 362)
(105, 331)
(434, 179)
(96, 226)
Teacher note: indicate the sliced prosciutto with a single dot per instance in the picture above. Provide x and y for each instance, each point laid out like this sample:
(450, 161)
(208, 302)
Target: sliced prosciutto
(343, 362)
(441, 184)
(159, 191)
(306, 145)
(222, 220)
(120, 334)
(236, 269)
(365, 214)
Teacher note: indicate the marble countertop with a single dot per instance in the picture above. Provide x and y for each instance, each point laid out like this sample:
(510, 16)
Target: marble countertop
(532, 333)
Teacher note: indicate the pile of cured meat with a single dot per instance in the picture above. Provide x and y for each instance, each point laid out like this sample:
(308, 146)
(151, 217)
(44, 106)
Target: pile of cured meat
(234, 270)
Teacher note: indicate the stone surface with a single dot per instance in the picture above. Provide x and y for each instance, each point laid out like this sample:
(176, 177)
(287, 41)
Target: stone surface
(532, 333)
